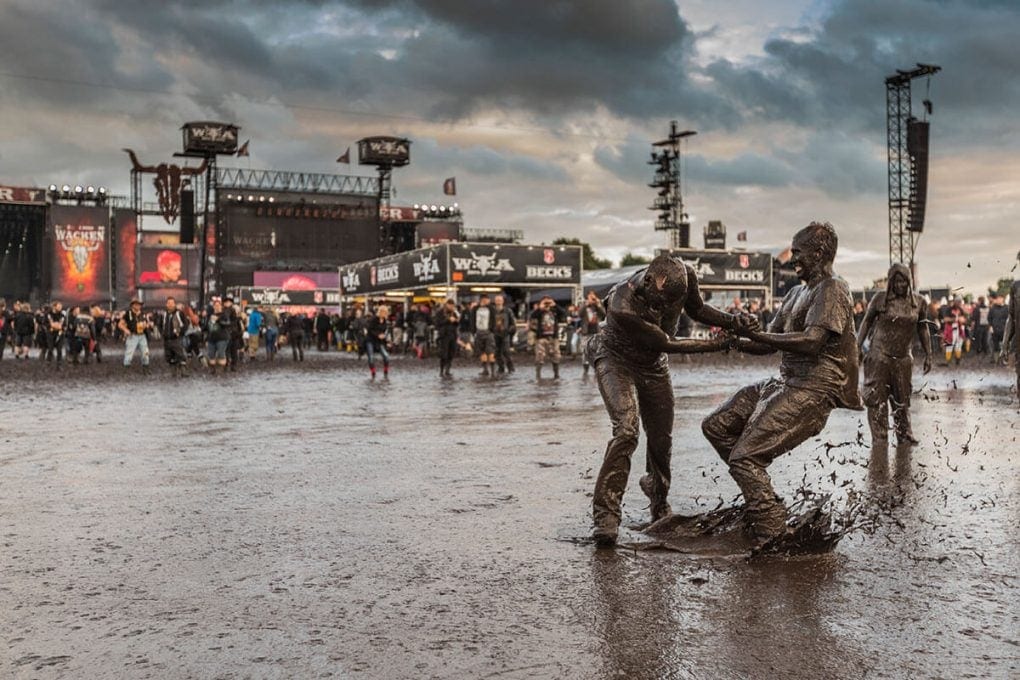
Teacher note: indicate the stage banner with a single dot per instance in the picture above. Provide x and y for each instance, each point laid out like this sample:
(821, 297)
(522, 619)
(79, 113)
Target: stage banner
(404, 271)
(168, 266)
(126, 230)
(515, 265)
(81, 254)
(297, 280)
(732, 269)
(274, 296)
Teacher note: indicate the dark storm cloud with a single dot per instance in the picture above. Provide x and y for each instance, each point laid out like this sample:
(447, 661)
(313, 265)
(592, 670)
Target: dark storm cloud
(834, 77)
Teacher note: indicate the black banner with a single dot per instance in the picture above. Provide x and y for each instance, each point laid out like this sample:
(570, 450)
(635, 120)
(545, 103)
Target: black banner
(733, 269)
(515, 265)
(413, 269)
(469, 263)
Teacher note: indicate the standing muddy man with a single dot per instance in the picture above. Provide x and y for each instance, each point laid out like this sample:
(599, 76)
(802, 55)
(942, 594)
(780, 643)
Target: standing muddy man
(629, 357)
(1011, 340)
(814, 332)
(893, 319)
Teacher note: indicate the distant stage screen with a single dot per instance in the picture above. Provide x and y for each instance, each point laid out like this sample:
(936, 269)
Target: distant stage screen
(167, 266)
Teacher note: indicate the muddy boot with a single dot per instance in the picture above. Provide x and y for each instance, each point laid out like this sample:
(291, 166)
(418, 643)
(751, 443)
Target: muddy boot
(584, 372)
(538, 371)
(605, 534)
(372, 369)
(659, 507)
(878, 422)
(904, 433)
(386, 371)
(764, 513)
(146, 370)
(556, 371)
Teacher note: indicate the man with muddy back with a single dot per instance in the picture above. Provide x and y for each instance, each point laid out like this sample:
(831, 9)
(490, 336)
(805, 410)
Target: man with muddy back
(814, 333)
(629, 357)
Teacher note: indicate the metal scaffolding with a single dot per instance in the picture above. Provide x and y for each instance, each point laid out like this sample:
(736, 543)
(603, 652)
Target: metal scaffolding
(284, 180)
(902, 241)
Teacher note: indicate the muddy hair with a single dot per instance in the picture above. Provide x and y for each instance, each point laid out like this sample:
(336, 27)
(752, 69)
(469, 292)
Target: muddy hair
(671, 268)
(822, 235)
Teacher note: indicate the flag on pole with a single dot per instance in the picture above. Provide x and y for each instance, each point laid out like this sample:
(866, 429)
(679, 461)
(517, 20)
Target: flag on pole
(450, 186)
(345, 157)
(243, 151)
(742, 236)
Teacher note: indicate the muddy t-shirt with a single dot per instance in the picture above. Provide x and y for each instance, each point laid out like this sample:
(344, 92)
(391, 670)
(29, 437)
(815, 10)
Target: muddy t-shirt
(834, 371)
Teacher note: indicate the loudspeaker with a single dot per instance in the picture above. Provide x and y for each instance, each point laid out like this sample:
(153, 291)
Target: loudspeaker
(917, 147)
(187, 216)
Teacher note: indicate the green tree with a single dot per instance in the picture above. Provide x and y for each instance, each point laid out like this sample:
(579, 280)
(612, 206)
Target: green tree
(590, 261)
(1002, 286)
(629, 259)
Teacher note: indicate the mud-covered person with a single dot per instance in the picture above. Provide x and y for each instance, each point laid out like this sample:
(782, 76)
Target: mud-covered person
(546, 321)
(893, 319)
(629, 356)
(814, 332)
(1011, 339)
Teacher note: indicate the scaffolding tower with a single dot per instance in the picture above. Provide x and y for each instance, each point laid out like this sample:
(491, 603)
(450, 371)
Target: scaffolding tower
(670, 203)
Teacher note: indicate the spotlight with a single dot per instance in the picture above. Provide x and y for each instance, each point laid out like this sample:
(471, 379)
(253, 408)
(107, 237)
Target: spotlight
(53, 187)
(102, 191)
(416, 206)
(456, 205)
(91, 190)
(230, 197)
(65, 189)
(271, 199)
(251, 198)
(78, 188)
(432, 208)
(262, 199)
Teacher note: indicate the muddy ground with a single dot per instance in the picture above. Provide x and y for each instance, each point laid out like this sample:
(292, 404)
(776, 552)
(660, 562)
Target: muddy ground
(304, 522)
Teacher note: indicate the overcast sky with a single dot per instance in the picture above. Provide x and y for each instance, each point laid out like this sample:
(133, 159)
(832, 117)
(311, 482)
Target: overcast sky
(544, 109)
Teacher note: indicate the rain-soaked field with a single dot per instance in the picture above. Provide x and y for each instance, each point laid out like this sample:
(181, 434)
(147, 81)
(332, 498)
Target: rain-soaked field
(303, 522)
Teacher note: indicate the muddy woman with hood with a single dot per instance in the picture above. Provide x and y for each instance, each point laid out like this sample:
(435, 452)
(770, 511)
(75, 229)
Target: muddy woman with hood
(893, 319)
(629, 357)
(1011, 340)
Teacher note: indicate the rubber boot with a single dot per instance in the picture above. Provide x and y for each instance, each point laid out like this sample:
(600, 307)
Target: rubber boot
(386, 371)
(538, 371)
(372, 369)
(556, 371)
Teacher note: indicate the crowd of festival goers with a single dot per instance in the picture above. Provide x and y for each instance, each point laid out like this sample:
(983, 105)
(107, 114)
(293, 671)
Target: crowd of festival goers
(488, 330)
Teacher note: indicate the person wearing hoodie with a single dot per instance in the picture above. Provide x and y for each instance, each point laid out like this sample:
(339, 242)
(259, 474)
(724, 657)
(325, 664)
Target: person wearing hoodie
(1011, 340)
(894, 317)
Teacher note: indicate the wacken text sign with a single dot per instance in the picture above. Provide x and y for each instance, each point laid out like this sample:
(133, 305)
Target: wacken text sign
(209, 137)
(734, 269)
(394, 151)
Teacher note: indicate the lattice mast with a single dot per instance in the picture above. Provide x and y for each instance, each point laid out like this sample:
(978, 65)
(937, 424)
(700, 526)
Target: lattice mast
(667, 180)
(906, 180)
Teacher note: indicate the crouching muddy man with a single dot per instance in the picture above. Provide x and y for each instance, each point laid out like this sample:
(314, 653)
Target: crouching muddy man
(629, 357)
(814, 332)
(893, 318)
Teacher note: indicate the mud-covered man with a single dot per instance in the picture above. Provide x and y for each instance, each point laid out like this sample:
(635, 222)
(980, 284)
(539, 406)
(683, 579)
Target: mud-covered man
(629, 357)
(814, 331)
(893, 319)
(1011, 340)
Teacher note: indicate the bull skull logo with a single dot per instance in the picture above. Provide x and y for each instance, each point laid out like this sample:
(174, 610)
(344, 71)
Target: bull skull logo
(168, 181)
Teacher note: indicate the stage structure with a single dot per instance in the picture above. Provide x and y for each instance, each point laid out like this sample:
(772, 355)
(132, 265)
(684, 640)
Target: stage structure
(667, 179)
(907, 141)
(456, 269)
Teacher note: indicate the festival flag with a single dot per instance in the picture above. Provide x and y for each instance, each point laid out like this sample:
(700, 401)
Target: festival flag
(450, 186)
(345, 157)
(243, 151)
(742, 236)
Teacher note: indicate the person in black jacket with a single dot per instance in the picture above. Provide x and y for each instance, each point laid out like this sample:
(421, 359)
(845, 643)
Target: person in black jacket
(482, 324)
(545, 322)
(322, 328)
(232, 320)
(6, 326)
(504, 328)
(294, 327)
(55, 332)
(24, 329)
(173, 327)
(376, 339)
(447, 322)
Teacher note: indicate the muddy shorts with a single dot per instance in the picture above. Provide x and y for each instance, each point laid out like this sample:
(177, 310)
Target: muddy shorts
(547, 348)
(217, 349)
(485, 342)
(765, 420)
(23, 340)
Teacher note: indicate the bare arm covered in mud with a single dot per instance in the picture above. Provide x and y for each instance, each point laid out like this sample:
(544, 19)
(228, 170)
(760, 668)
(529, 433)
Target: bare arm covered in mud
(924, 337)
(867, 325)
